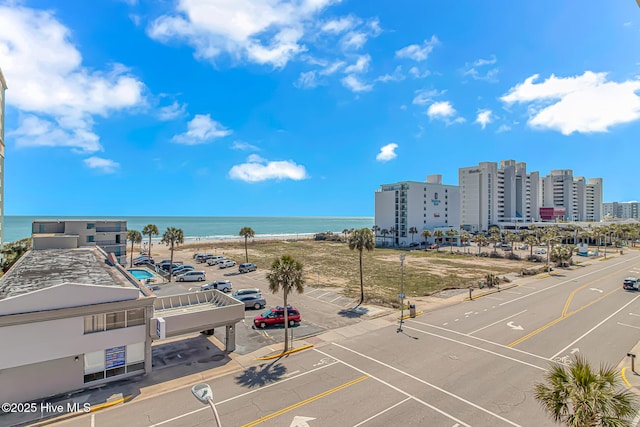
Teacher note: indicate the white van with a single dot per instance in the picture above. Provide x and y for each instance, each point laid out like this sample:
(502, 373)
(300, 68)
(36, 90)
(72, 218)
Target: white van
(192, 276)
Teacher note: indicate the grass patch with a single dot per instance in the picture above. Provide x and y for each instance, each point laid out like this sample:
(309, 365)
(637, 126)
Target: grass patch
(425, 272)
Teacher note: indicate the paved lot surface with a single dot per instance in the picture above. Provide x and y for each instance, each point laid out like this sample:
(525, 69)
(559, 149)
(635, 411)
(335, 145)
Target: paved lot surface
(469, 364)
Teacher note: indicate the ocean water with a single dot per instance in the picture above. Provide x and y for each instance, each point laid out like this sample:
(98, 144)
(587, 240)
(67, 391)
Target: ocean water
(208, 227)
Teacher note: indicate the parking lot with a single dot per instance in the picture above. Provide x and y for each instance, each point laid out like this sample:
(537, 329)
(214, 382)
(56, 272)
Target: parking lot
(318, 307)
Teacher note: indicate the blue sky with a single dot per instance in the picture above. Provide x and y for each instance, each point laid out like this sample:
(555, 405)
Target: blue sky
(247, 107)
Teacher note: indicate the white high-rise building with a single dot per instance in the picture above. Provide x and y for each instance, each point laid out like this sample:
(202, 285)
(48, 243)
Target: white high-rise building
(581, 199)
(3, 87)
(492, 195)
(621, 209)
(404, 205)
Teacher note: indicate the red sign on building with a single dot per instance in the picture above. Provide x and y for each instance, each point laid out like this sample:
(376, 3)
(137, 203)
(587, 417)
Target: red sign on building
(552, 214)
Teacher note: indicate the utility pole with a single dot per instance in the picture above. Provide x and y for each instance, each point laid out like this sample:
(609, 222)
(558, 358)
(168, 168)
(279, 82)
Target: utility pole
(401, 295)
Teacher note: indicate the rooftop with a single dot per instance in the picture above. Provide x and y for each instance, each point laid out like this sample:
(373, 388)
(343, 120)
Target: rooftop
(39, 269)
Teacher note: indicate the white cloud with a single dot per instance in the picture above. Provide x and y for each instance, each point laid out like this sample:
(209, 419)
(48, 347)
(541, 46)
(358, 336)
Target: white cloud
(340, 25)
(388, 152)
(103, 165)
(354, 40)
(355, 84)
(586, 103)
(417, 74)
(49, 83)
(627, 24)
(503, 128)
(243, 146)
(265, 32)
(484, 118)
(418, 52)
(472, 71)
(395, 77)
(361, 65)
(424, 97)
(306, 80)
(200, 130)
(257, 169)
(443, 110)
(172, 111)
(331, 69)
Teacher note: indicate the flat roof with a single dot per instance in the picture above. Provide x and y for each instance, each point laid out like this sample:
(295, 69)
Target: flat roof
(39, 269)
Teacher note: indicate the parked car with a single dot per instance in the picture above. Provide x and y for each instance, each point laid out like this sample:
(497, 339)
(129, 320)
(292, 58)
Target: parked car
(631, 284)
(540, 251)
(168, 267)
(203, 257)
(247, 267)
(275, 316)
(433, 246)
(182, 269)
(255, 301)
(227, 263)
(221, 285)
(246, 291)
(143, 260)
(192, 276)
(414, 244)
(216, 259)
(523, 247)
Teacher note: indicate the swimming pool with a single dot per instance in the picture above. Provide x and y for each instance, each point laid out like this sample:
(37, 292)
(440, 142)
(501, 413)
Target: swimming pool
(140, 274)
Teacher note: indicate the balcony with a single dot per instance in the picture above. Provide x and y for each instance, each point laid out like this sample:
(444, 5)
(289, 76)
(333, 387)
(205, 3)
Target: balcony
(110, 229)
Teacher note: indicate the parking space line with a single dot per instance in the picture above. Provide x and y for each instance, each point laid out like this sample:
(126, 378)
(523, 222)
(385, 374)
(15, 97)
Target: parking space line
(336, 298)
(631, 326)
(395, 388)
(420, 380)
(382, 412)
(326, 293)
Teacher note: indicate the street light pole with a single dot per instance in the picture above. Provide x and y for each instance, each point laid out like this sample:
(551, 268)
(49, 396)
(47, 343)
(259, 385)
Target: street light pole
(401, 296)
(204, 394)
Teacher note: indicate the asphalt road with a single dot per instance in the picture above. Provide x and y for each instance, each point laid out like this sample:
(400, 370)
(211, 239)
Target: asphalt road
(470, 364)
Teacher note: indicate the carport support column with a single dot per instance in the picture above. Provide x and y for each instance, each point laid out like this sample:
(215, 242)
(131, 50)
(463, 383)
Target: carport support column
(230, 338)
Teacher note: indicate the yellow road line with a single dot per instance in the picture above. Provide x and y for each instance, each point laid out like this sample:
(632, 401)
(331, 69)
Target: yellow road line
(304, 402)
(275, 356)
(565, 316)
(572, 294)
(625, 378)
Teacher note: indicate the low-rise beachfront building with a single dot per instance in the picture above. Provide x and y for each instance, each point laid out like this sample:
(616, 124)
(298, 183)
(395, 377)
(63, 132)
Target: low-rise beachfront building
(408, 206)
(73, 318)
(109, 234)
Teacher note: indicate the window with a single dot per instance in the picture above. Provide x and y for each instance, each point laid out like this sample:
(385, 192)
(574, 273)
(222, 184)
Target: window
(116, 320)
(90, 239)
(135, 317)
(94, 323)
(90, 225)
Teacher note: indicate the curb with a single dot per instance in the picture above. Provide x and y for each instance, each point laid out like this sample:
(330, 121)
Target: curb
(275, 356)
(411, 317)
(624, 378)
(56, 419)
(491, 292)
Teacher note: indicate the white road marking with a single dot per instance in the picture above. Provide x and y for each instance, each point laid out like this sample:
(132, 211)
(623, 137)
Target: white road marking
(633, 314)
(382, 412)
(310, 292)
(566, 281)
(596, 327)
(514, 327)
(398, 390)
(292, 373)
(448, 393)
(93, 419)
(499, 299)
(454, 320)
(512, 292)
(476, 347)
(481, 339)
(335, 299)
(326, 293)
(495, 323)
(526, 287)
(574, 350)
(299, 421)
(596, 289)
(631, 326)
(207, 408)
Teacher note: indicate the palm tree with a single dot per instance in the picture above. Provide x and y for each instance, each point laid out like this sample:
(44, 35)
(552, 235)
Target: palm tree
(481, 240)
(150, 230)
(134, 236)
(384, 233)
(412, 231)
(511, 237)
(345, 232)
(450, 234)
(578, 395)
(531, 240)
(465, 236)
(438, 234)
(246, 232)
(597, 234)
(172, 237)
(426, 234)
(494, 237)
(394, 234)
(286, 274)
(361, 239)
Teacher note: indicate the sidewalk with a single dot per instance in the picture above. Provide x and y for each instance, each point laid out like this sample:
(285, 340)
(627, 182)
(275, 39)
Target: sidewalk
(630, 378)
